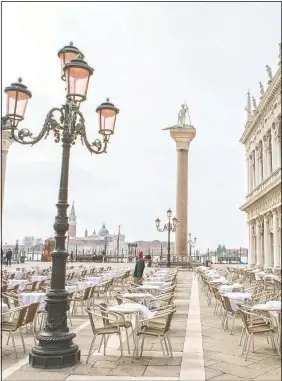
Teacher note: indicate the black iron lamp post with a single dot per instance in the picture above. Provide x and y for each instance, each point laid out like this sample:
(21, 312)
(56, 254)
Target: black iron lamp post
(169, 227)
(191, 243)
(55, 348)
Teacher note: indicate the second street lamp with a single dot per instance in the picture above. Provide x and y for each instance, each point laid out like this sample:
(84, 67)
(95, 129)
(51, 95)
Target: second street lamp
(191, 244)
(169, 227)
(56, 348)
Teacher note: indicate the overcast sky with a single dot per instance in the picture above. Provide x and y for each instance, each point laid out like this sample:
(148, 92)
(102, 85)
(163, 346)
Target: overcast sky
(148, 58)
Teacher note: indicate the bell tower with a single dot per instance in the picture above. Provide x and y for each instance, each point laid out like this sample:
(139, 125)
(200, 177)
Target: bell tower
(72, 222)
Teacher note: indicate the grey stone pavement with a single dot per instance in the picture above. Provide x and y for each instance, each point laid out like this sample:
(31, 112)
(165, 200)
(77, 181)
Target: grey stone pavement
(201, 350)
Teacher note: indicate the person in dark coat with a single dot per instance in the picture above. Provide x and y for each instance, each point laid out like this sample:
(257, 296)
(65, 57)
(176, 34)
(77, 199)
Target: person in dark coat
(139, 269)
(9, 255)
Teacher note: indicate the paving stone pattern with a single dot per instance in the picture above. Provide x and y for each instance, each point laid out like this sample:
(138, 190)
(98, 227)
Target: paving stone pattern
(150, 366)
(222, 353)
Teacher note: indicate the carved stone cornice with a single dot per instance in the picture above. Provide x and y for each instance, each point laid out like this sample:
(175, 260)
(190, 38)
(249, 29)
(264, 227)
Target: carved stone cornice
(272, 92)
(267, 203)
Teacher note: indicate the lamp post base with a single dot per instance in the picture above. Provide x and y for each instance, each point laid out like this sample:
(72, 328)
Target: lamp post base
(54, 352)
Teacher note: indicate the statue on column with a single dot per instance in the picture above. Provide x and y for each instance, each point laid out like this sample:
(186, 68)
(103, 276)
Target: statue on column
(181, 121)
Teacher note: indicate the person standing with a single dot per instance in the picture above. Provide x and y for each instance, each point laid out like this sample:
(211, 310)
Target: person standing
(71, 256)
(9, 255)
(139, 269)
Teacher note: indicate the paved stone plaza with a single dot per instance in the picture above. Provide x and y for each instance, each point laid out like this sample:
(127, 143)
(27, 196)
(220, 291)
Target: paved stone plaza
(201, 349)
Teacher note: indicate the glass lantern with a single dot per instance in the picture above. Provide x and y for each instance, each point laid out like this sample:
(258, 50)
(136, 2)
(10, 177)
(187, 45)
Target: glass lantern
(107, 113)
(17, 98)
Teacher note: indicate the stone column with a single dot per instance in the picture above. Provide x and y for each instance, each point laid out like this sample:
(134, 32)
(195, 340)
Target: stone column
(274, 151)
(6, 141)
(248, 173)
(257, 169)
(266, 239)
(252, 171)
(182, 136)
(259, 232)
(276, 251)
(267, 155)
(251, 252)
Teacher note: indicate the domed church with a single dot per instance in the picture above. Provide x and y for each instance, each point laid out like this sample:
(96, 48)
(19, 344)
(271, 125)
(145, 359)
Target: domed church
(91, 243)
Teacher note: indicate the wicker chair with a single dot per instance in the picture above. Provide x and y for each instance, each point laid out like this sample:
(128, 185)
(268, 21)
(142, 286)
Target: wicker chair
(252, 330)
(153, 327)
(113, 328)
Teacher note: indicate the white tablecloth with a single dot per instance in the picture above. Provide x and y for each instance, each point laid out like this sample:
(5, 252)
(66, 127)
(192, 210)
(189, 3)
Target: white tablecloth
(71, 289)
(229, 287)
(34, 297)
(133, 307)
(95, 279)
(236, 297)
(21, 282)
(83, 285)
(272, 306)
(144, 298)
(38, 278)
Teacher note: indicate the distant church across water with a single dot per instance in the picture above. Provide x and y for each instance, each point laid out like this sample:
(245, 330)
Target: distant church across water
(94, 242)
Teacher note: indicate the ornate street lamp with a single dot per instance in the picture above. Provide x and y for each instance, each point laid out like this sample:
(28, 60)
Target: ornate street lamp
(169, 227)
(56, 348)
(191, 243)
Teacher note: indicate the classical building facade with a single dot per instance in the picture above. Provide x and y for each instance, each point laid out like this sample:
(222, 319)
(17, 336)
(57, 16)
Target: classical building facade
(262, 140)
(113, 244)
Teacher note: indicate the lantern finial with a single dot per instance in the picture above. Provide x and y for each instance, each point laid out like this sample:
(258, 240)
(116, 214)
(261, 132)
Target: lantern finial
(20, 79)
(108, 99)
(71, 43)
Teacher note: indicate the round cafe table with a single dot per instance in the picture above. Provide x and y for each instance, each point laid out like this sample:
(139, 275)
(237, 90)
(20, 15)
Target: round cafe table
(273, 307)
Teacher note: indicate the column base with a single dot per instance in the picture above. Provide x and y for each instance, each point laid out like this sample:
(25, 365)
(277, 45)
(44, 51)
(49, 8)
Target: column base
(54, 352)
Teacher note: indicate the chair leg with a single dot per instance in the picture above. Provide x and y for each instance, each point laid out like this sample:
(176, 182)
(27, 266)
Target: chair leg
(101, 342)
(8, 338)
(233, 323)
(253, 340)
(248, 346)
(166, 346)
(91, 348)
(163, 350)
(105, 344)
(14, 345)
(142, 345)
(169, 343)
(127, 339)
(121, 348)
(241, 337)
(22, 339)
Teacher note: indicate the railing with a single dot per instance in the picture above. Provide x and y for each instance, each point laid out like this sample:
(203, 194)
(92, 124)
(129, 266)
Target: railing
(265, 184)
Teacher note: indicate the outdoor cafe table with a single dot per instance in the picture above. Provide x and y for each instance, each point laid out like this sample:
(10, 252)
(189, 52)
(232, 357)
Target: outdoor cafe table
(273, 307)
(15, 282)
(38, 278)
(95, 279)
(229, 287)
(143, 297)
(138, 310)
(33, 297)
(236, 297)
(83, 285)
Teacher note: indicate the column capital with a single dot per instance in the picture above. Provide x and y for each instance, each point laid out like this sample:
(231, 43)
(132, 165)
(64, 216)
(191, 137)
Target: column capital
(183, 136)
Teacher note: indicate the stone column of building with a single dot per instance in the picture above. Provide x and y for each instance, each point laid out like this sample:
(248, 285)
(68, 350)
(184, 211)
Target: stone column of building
(274, 150)
(266, 239)
(257, 167)
(251, 252)
(259, 253)
(182, 136)
(6, 141)
(252, 171)
(248, 166)
(267, 155)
